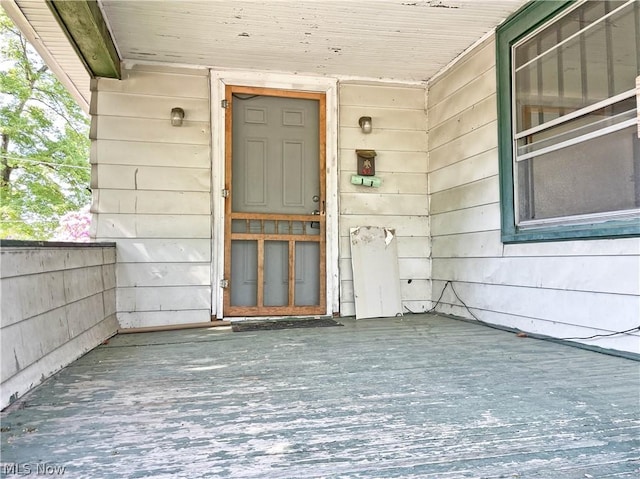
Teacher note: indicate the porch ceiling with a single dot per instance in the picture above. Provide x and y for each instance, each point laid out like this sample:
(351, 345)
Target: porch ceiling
(403, 40)
(395, 40)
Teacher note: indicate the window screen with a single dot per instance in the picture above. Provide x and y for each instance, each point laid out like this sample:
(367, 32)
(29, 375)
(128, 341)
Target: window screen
(576, 152)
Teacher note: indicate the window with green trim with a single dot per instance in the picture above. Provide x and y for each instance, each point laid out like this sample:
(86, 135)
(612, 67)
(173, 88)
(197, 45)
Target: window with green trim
(569, 146)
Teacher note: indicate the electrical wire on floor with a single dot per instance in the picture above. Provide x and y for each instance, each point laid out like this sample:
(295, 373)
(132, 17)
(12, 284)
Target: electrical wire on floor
(637, 328)
(450, 285)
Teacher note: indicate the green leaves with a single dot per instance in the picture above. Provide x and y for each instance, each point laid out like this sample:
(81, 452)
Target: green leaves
(44, 144)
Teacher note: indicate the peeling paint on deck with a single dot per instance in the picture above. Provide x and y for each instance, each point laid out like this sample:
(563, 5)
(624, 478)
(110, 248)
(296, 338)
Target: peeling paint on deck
(421, 396)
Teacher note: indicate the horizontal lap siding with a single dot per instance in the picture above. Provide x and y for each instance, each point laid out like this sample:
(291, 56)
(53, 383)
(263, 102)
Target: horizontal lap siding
(560, 289)
(58, 304)
(400, 141)
(152, 193)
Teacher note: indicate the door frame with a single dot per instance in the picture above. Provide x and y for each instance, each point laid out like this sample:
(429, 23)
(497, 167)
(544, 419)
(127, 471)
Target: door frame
(219, 131)
(262, 239)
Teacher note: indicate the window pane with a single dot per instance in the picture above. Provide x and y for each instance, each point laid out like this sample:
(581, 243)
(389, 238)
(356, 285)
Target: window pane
(574, 130)
(595, 176)
(561, 29)
(595, 65)
(625, 36)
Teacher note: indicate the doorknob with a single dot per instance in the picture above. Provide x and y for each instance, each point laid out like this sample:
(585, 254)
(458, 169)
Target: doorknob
(315, 224)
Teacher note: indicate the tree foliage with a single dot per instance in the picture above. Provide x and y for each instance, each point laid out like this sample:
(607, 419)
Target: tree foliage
(44, 148)
(74, 227)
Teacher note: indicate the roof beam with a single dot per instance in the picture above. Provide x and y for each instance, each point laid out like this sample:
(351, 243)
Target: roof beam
(84, 25)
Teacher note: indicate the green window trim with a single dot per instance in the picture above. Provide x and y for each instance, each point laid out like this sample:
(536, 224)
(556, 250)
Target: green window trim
(520, 24)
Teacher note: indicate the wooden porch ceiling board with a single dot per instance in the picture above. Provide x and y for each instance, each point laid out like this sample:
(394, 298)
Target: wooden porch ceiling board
(391, 40)
(406, 41)
(416, 397)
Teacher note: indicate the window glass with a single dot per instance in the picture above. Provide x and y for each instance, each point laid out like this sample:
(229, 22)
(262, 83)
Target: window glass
(595, 176)
(575, 146)
(581, 67)
(591, 123)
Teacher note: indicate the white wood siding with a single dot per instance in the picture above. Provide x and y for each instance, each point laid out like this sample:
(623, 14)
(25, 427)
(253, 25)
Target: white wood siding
(152, 193)
(559, 289)
(400, 140)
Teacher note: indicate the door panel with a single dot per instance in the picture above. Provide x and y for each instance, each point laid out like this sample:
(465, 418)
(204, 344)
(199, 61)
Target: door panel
(275, 161)
(275, 224)
(251, 167)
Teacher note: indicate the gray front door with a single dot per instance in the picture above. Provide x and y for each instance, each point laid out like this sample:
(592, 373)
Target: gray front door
(275, 228)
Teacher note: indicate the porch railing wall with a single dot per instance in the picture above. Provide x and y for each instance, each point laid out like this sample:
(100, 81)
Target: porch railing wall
(57, 302)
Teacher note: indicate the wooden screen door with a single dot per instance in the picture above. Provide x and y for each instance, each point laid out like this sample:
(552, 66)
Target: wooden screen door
(275, 203)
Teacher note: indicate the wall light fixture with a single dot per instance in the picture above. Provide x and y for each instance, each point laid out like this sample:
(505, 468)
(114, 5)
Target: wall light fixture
(177, 116)
(365, 124)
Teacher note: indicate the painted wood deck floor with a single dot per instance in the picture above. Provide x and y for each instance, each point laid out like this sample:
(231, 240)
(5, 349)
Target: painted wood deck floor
(418, 397)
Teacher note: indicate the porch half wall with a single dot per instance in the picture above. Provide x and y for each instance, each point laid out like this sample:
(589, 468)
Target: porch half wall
(558, 289)
(58, 302)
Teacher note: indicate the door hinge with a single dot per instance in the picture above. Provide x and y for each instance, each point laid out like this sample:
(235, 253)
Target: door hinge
(225, 193)
(224, 283)
(224, 103)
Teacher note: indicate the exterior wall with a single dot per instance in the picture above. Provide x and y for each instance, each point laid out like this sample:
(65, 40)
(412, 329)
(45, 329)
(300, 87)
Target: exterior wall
(559, 289)
(152, 189)
(57, 304)
(399, 138)
(152, 192)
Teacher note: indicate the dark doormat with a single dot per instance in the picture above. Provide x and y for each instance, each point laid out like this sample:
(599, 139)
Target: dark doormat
(283, 324)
